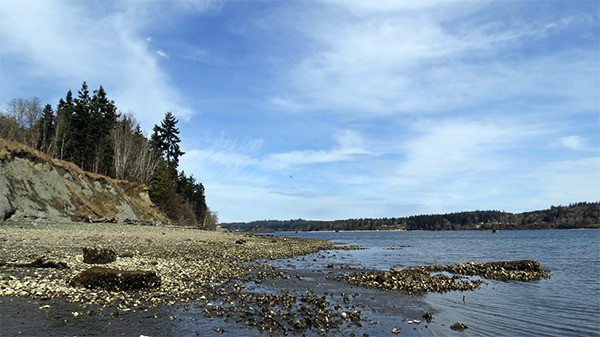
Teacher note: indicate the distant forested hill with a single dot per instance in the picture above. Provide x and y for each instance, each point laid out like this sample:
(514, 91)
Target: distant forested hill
(577, 215)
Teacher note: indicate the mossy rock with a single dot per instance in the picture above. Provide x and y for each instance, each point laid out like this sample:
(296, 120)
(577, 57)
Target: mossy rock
(116, 279)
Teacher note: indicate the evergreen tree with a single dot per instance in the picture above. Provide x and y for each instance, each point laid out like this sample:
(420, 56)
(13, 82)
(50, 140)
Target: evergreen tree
(82, 148)
(46, 129)
(165, 139)
(192, 193)
(103, 117)
(163, 190)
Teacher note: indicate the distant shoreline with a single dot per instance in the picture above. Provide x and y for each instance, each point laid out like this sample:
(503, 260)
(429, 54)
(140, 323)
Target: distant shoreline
(575, 215)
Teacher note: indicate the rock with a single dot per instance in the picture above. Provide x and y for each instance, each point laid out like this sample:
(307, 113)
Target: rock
(115, 279)
(99, 255)
(428, 316)
(300, 325)
(458, 326)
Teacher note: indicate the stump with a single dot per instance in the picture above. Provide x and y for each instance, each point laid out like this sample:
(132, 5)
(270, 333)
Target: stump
(99, 255)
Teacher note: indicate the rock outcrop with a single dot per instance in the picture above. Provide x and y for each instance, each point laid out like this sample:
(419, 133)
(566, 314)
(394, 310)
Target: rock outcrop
(35, 186)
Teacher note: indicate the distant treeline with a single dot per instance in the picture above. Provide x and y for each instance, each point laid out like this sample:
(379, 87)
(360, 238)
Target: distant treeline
(90, 131)
(577, 215)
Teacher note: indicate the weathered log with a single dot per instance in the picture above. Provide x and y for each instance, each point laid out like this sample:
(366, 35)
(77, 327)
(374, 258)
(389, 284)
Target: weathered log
(115, 279)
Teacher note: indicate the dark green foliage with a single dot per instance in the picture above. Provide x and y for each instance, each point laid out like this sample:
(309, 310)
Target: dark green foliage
(80, 150)
(179, 196)
(192, 193)
(88, 124)
(578, 215)
(163, 190)
(103, 113)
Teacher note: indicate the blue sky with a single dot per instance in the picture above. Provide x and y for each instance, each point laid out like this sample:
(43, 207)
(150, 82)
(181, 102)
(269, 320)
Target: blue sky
(338, 109)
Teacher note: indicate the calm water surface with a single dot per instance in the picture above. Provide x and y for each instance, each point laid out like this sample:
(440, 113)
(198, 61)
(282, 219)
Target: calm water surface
(567, 304)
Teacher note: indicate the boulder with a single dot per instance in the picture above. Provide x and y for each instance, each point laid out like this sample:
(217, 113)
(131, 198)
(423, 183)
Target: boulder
(116, 279)
(99, 255)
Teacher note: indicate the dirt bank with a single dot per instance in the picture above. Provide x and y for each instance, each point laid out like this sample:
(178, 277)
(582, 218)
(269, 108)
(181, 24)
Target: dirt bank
(36, 186)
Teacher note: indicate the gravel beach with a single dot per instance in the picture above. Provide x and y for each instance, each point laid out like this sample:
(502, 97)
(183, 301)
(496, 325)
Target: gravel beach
(194, 266)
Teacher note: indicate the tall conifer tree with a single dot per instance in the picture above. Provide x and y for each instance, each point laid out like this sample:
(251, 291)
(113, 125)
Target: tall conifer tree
(46, 129)
(165, 139)
(103, 117)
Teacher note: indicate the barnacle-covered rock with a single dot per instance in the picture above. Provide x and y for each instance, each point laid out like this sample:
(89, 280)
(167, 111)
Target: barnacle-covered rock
(40, 262)
(520, 270)
(412, 280)
(420, 279)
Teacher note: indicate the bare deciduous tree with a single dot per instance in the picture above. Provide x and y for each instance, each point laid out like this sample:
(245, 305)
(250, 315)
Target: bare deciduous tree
(20, 119)
(134, 158)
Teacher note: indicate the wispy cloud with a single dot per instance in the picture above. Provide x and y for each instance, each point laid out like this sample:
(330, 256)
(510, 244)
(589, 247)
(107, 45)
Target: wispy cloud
(418, 62)
(350, 145)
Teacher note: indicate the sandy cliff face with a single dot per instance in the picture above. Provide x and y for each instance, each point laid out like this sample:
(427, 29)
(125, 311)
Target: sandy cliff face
(35, 186)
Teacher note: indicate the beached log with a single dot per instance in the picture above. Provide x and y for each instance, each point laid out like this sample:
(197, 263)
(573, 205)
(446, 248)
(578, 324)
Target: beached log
(116, 279)
(40, 262)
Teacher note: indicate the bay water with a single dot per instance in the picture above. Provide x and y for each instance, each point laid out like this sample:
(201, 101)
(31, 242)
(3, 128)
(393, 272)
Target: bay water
(566, 304)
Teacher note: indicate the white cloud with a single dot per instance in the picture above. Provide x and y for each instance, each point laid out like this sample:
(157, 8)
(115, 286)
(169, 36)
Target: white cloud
(162, 54)
(566, 181)
(573, 143)
(455, 150)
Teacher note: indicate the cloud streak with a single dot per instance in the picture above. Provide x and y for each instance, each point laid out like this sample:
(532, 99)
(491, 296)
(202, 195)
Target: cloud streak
(412, 62)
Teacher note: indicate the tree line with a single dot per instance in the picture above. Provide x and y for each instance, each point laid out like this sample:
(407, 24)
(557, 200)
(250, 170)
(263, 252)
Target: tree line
(576, 215)
(88, 130)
